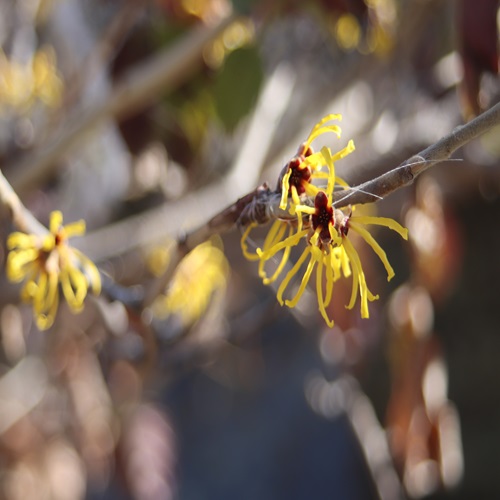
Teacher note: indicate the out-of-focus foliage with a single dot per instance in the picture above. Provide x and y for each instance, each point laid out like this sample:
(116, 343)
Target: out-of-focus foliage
(478, 46)
(241, 66)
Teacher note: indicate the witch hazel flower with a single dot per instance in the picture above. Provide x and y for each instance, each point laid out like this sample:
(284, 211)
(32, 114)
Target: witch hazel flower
(322, 229)
(47, 263)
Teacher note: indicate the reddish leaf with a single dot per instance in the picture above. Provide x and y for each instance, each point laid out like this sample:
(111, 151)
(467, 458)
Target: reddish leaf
(478, 45)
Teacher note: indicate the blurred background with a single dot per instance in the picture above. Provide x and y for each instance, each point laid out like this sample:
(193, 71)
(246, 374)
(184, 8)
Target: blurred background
(146, 118)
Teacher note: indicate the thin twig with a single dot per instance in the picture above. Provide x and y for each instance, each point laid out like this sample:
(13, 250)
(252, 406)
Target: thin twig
(406, 173)
(344, 396)
(105, 49)
(21, 217)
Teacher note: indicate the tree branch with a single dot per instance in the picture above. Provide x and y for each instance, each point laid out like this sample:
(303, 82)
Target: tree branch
(21, 217)
(405, 174)
(265, 203)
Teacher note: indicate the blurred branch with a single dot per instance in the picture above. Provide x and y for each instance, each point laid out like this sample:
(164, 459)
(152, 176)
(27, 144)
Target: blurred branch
(105, 48)
(22, 218)
(17, 402)
(344, 396)
(140, 86)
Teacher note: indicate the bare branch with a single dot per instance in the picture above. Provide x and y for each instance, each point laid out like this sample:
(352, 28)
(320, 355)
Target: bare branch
(385, 184)
(22, 218)
(405, 174)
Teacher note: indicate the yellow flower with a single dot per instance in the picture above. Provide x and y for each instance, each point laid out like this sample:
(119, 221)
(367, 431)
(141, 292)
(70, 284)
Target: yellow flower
(44, 262)
(297, 175)
(325, 230)
(199, 275)
(296, 179)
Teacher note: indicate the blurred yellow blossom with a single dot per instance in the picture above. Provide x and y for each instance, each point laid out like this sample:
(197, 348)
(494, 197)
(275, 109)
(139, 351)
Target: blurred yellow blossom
(21, 85)
(199, 275)
(348, 32)
(44, 262)
(158, 259)
(238, 34)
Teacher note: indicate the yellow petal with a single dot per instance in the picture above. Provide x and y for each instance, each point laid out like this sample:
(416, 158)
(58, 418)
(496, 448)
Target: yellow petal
(290, 241)
(352, 254)
(305, 209)
(285, 188)
(48, 243)
(344, 151)
(277, 272)
(291, 274)
(274, 236)
(56, 219)
(321, 128)
(376, 248)
(331, 172)
(90, 270)
(359, 280)
(332, 271)
(46, 318)
(244, 245)
(74, 286)
(315, 162)
(74, 229)
(382, 221)
(39, 293)
(51, 299)
(311, 189)
(322, 302)
(305, 279)
(295, 198)
(18, 261)
(334, 235)
(344, 259)
(22, 241)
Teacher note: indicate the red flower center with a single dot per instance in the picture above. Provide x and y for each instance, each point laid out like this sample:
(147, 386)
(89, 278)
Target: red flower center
(299, 176)
(323, 216)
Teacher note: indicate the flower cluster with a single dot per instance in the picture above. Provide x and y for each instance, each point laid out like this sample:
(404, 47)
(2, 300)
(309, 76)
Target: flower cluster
(44, 262)
(323, 227)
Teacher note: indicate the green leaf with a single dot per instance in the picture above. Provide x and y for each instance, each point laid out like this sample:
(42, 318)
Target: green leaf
(243, 7)
(237, 85)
